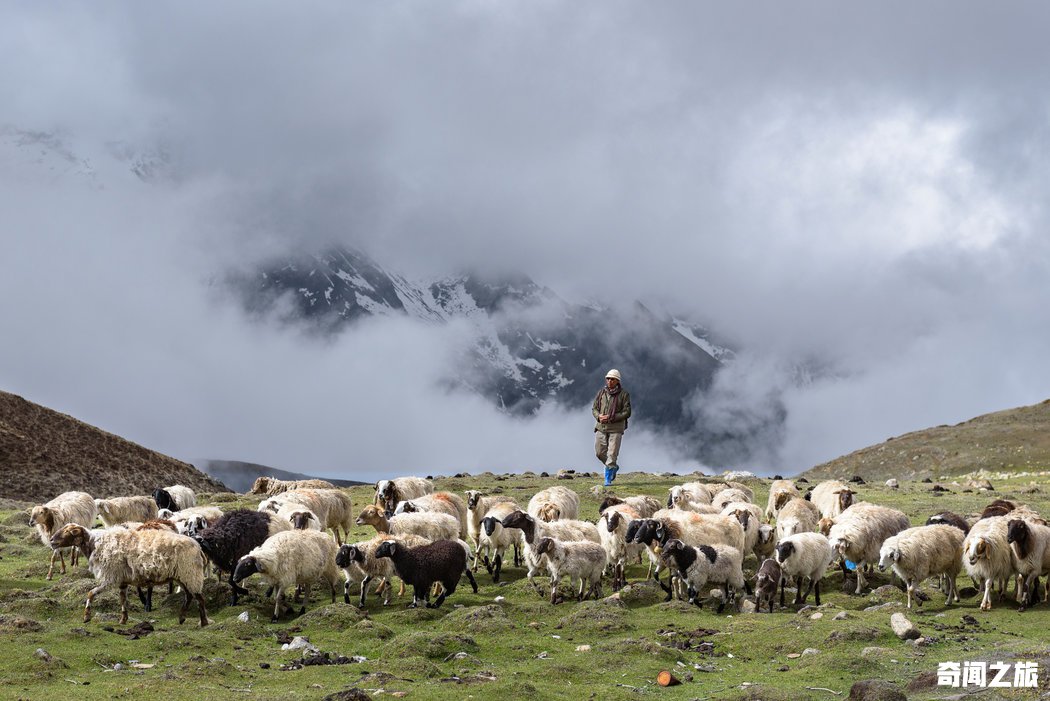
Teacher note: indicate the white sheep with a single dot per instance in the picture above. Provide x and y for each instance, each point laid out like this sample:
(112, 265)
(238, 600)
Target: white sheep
(612, 530)
(644, 504)
(332, 507)
(271, 486)
(832, 497)
(120, 509)
(440, 502)
(698, 566)
(432, 526)
(804, 556)
(779, 487)
(1030, 551)
(291, 559)
(859, 532)
(691, 491)
(192, 520)
(581, 561)
(534, 530)
(916, 554)
(389, 493)
(175, 498)
(750, 517)
(494, 539)
(122, 557)
(299, 516)
(691, 528)
(68, 507)
(795, 515)
(987, 555)
(477, 506)
(698, 507)
(554, 503)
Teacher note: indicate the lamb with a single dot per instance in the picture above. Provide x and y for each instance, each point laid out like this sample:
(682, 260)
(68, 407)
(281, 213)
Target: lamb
(360, 564)
(477, 506)
(175, 498)
(290, 559)
(554, 503)
(804, 556)
(68, 507)
(767, 579)
(921, 552)
(432, 526)
(495, 539)
(123, 557)
(700, 565)
(233, 536)
(579, 560)
(534, 529)
(951, 519)
(440, 502)
(795, 515)
(779, 487)
(750, 517)
(987, 555)
(120, 509)
(729, 496)
(643, 504)
(389, 493)
(442, 561)
(612, 530)
(832, 497)
(271, 486)
(766, 542)
(301, 517)
(859, 532)
(1030, 550)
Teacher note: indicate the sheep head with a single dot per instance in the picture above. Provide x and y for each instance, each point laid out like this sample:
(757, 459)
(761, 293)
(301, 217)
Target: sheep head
(840, 545)
(520, 519)
(43, 516)
(372, 516)
(887, 556)
(845, 498)
(782, 499)
(824, 526)
(549, 512)
(388, 548)
(742, 515)
(489, 524)
(473, 496)
(784, 550)
(544, 546)
(612, 520)
(246, 567)
(69, 535)
(607, 502)
(348, 554)
(301, 519)
(978, 550)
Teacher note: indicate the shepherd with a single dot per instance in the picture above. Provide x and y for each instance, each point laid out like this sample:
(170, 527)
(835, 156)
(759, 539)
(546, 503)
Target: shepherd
(611, 409)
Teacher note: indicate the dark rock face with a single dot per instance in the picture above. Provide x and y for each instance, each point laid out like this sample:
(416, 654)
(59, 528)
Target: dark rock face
(875, 690)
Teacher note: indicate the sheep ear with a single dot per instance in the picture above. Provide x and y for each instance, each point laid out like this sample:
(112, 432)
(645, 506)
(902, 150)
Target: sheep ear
(896, 555)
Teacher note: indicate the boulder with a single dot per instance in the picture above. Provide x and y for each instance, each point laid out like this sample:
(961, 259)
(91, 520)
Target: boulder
(893, 484)
(903, 628)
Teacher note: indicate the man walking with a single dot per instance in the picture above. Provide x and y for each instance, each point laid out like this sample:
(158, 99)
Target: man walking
(611, 409)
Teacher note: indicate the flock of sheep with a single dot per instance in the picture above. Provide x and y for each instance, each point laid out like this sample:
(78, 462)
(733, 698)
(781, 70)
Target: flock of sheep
(429, 540)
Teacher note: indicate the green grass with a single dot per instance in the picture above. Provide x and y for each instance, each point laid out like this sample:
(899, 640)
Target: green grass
(406, 650)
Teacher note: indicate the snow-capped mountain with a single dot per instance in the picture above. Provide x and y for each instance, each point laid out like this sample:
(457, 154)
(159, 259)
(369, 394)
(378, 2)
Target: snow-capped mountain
(530, 345)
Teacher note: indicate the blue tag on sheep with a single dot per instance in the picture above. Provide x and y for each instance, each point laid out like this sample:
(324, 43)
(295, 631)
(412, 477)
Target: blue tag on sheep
(850, 565)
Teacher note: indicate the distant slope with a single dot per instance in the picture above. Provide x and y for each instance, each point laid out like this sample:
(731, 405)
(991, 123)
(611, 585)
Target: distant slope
(1011, 440)
(240, 476)
(44, 453)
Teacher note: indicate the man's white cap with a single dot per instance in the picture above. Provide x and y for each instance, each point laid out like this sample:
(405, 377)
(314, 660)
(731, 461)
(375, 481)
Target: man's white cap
(615, 374)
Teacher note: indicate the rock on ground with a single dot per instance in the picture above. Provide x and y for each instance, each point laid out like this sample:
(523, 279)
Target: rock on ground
(903, 628)
(875, 690)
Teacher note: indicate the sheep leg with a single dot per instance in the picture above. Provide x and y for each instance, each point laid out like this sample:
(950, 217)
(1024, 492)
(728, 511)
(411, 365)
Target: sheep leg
(816, 588)
(306, 598)
(798, 591)
(986, 601)
(201, 608)
(496, 567)
(781, 595)
(51, 567)
(90, 597)
(364, 591)
(416, 598)
(860, 578)
(236, 589)
(517, 556)
(449, 588)
(488, 565)
(278, 602)
(74, 556)
(473, 582)
(747, 587)
(554, 591)
(123, 604)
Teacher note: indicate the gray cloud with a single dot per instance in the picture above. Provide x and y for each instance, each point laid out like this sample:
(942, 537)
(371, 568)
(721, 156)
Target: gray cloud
(859, 185)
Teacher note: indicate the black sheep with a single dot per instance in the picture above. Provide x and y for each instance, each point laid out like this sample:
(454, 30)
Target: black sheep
(442, 561)
(767, 579)
(231, 538)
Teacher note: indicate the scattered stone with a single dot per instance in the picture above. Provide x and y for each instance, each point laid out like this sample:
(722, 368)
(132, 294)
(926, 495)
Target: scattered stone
(544, 474)
(903, 628)
(598, 491)
(925, 680)
(802, 480)
(857, 479)
(264, 665)
(300, 643)
(543, 655)
(967, 592)
(926, 480)
(457, 656)
(883, 607)
(983, 484)
(893, 484)
(534, 624)
(42, 654)
(500, 599)
(817, 616)
(841, 616)
(883, 593)
(243, 618)
(566, 474)
(939, 488)
(583, 648)
(738, 475)
(352, 694)
(747, 606)
(783, 668)
(810, 651)
(875, 690)
(118, 667)
(874, 651)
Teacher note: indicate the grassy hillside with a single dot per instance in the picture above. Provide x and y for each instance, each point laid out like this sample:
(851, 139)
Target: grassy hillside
(1015, 440)
(51, 453)
(519, 647)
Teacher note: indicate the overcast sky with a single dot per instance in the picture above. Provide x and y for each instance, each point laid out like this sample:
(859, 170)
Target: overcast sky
(858, 185)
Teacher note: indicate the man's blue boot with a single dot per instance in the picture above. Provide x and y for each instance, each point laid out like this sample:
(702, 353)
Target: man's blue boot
(608, 476)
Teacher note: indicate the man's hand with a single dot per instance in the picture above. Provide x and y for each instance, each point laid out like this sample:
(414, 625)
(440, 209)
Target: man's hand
(603, 418)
